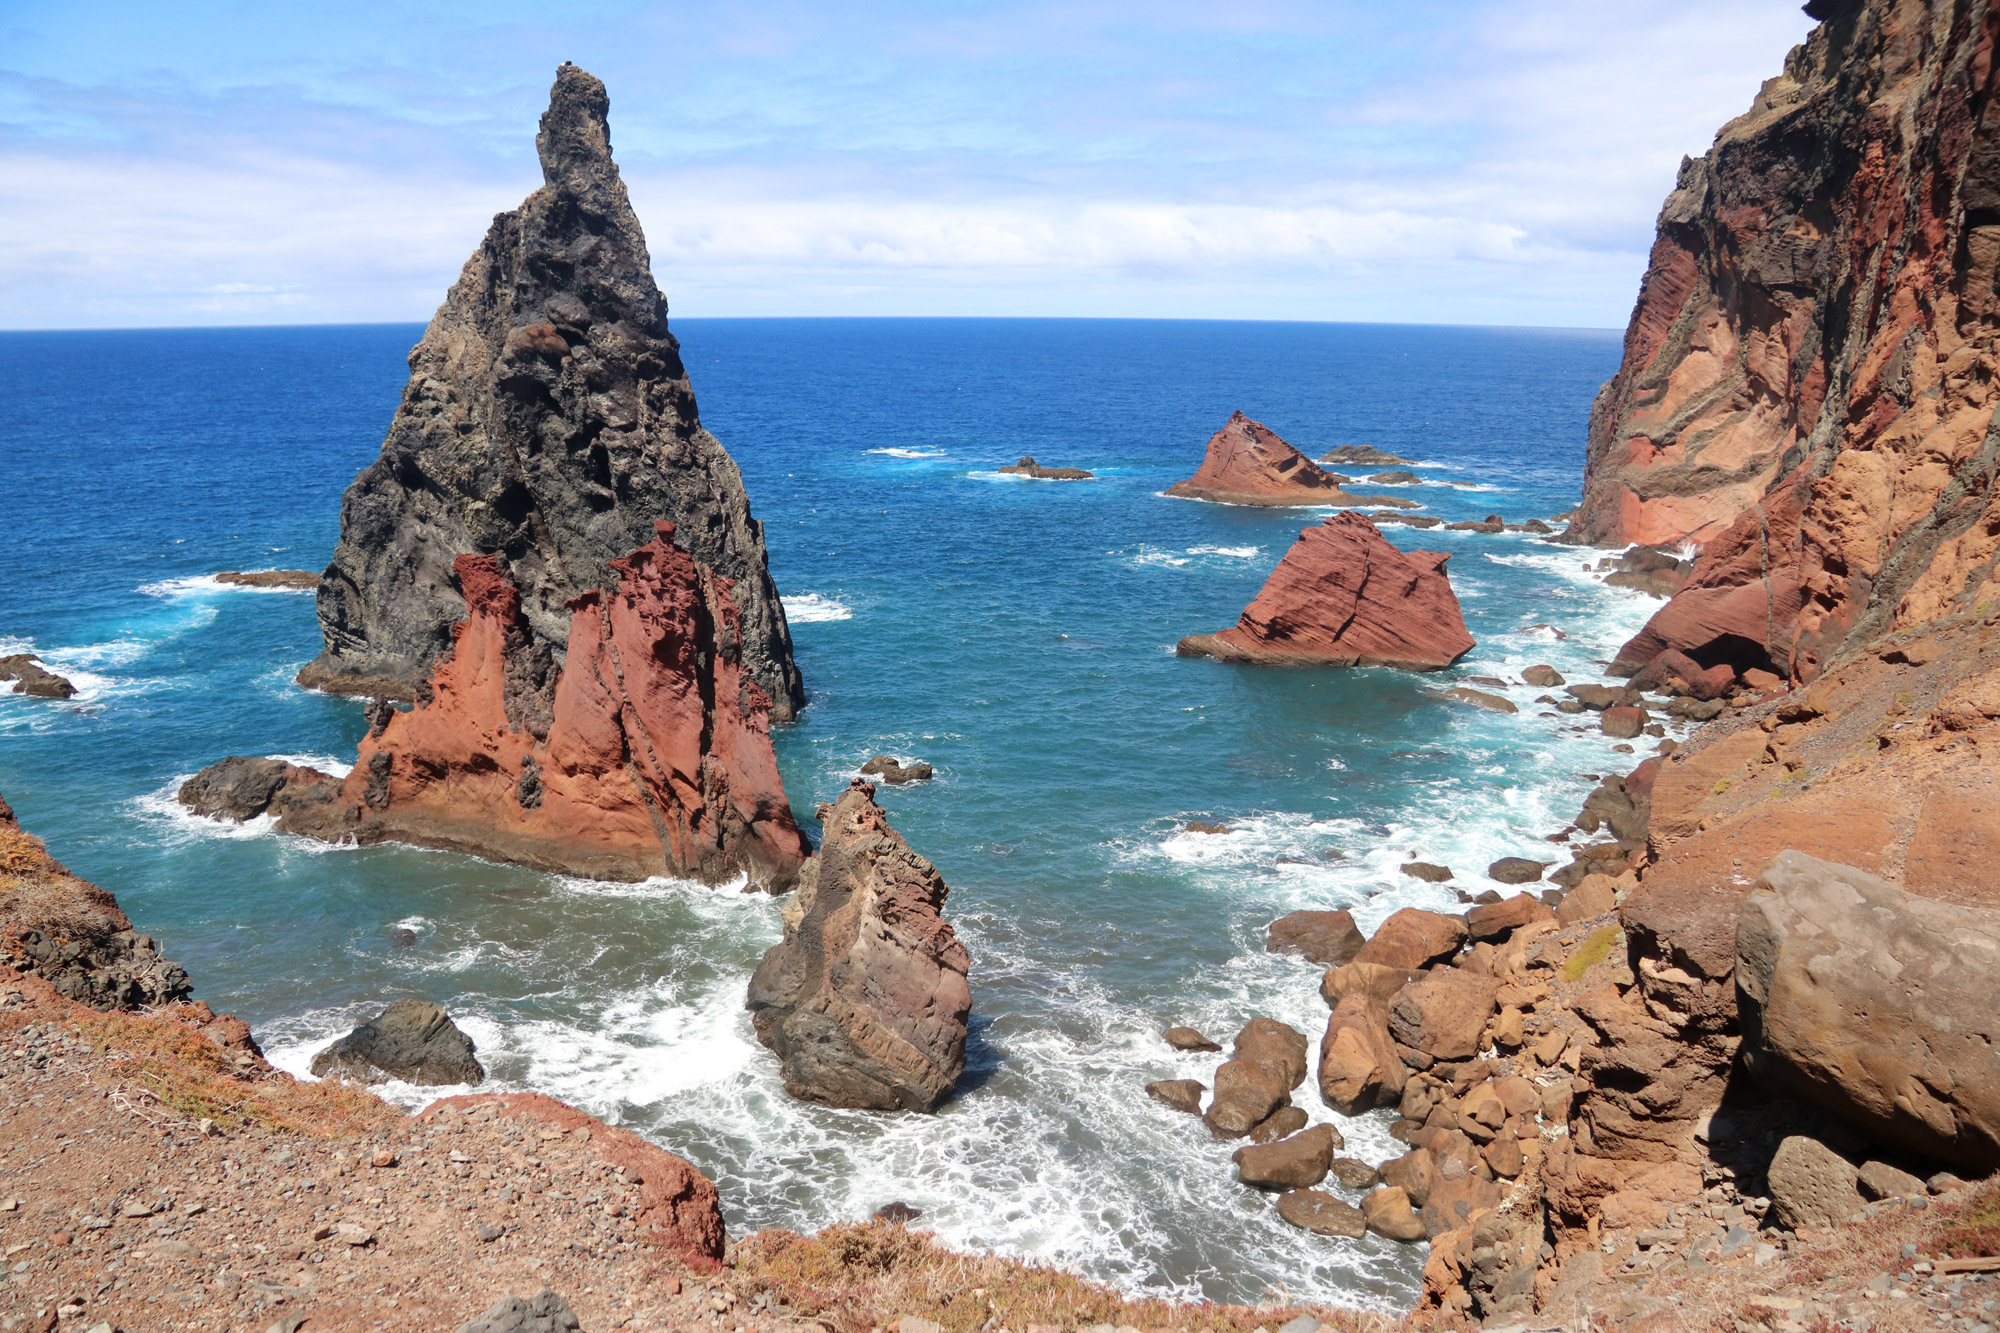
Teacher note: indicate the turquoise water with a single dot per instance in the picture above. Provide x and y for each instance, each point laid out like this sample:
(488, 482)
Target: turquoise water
(1016, 634)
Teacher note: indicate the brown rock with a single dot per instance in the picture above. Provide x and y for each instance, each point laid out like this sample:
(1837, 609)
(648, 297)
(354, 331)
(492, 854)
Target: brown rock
(1509, 1027)
(1812, 1186)
(1318, 937)
(1247, 464)
(1456, 1195)
(1353, 1174)
(1358, 1065)
(1028, 467)
(1298, 1162)
(1593, 897)
(1495, 921)
(1266, 1039)
(300, 580)
(1182, 1094)
(1345, 596)
(1320, 1212)
(1280, 1124)
(865, 999)
(1187, 1039)
(1543, 677)
(31, 678)
(1375, 980)
(1425, 871)
(1516, 870)
(1412, 1173)
(1413, 938)
(1389, 1215)
(892, 770)
(1622, 723)
(1246, 1093)
(1492, 703)
(1876, 1004)
(1480, 1113)
(1444, 1014)
(1879, 1180)
(1504, 1156)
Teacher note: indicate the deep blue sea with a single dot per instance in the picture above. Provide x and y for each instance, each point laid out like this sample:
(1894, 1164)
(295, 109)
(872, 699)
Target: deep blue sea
(1016, 634)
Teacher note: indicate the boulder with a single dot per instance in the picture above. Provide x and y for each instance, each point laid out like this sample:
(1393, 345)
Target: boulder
(1248, 464)
(237, 788)
(892, 770)
(297, 580)
(31, 678)
(1413, 938)
(1444, 1013)
(1187, 1039)
(546, 1313)
(1879, 1180)
(1516, 870)
(1412, 1173)
(1358, 1065)
(1353, 1174)
(1543, 677)
(1028, 467)
(1320, 1212)
(1622, 723)
(1318, 937)
(1345, 596)
(1492, 703)
(1362, 455)
(865, 999)
(1876, 1004)
(1266, 1039)
(1183, 1094)
(1389, 1215)
(1457, 1193)
(1496, 921)
(1811, 1185)
(411, 1040)
(1376, 980)
(1424, 870)
(1247, 1092)
(498, 446)
(1601, 697)
(1592, 897)
(1298, 1162)
(1282, 1124)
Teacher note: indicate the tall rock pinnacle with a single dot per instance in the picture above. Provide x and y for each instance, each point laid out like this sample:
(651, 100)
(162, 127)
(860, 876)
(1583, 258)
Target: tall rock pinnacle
(548, 422)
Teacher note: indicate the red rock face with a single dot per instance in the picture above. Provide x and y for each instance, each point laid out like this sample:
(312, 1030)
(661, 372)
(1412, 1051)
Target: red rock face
(1810, 374)
(656, 759)
(1247, 464)
(1344, 596)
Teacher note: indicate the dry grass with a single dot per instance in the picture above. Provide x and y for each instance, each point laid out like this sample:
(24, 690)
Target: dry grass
(1973, 1229)
(23, 854)
(859, 1276)
(187, 1073)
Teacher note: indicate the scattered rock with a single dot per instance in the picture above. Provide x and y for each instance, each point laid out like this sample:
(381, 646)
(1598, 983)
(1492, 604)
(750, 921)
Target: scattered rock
(1444, 1013)
(1388, 1214)
(1497, 920)
(865, 999)
(1187, 1039)
(1329, 938)
(1879, 1180)
(1412, 938)
(1622, 723)
(1362, 455)
(411, 1040)
(1592, 897)
(1294, 1163)
(891, 770)
(1423, 870)
(897, 1213)
(1268, 1039)
(30, 677)
(1543, 677)
(1246, 1093)
(1376, 980)
(1358, 1065)
(303, 580)
(546, 1313)
(1282, 1124)
(1812, 1185)
(1028, 467)
(1182, 1094)
(1492, 703)
(1353, 1174)
(1320, 1212)
(1516, 870)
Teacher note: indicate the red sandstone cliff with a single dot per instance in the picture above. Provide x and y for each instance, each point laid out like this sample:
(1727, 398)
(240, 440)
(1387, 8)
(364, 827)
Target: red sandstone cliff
(1247, 464)
(1807, 388)
(1344, 596)
(654, 759)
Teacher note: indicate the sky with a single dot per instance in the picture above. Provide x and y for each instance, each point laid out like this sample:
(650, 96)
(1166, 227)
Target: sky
(1409, 161)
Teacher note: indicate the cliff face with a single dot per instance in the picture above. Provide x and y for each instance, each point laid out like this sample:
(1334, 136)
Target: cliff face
(548, 421)
(1344, 596)
(1807, 390)
(652, 757)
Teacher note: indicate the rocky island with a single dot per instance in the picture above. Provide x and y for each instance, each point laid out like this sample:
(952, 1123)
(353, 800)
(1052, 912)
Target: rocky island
(1248, 464)
(1344, 596)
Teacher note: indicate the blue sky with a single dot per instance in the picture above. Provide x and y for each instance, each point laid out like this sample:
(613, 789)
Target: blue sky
(228, 163)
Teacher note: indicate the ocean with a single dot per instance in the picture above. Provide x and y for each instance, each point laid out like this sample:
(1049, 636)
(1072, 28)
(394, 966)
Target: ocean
(1016, 634)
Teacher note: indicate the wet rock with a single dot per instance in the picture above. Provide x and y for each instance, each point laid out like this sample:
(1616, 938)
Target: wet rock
(1811, 1185)
(1248, 464)
(1388, 1214)
(1187, 1039)
(1358, 1065)
(1182, 1094)
(1345, 596)
(897, 1213)
(891, 770)
(1267, 1039)
(865, 1000)
(1414, 938)
(1028, 467)
(1281, 1124)
(1362, 455)
(31, 678)
(1516, 870)
(1444, 1013)
(1395, 478)
(1353, 1174)
(1423, 870)
(1492, 703)
(1543, 677)
(1601, 697)
(1318, 1211)
(411, 1040)
(1329, 938)
(546, 1313)
(1297, 1162)
(240, 787)
(1201, 826)
(1622, 723)
(302, 580)
(1246, 1094)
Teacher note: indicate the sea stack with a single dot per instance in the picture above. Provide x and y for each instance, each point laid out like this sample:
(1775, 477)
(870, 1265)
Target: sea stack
(648, 752)
(1344, 596)
(1247, 464)
(547, 422)
(865, 999)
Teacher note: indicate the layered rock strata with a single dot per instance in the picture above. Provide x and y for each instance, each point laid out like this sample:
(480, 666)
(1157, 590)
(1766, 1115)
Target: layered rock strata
(1344, 596)
(1248, 464)
(1808, 384)
(648, 752)
(865, 1000)
(547, 423)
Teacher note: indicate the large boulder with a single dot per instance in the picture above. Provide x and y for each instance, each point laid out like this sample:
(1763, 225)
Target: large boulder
(1328, 938)
(1444, 1013)
(1318, 1211)
(1390, 1214)
(1372, 979)
(865, 999)
(1812, 1186)
(1298, 1162)
(1247, 1093)
(411, 1040)
(1413, 938)
(240, 787)
(546, 1313)
(30, 677)
(1345, 596)
(1358, 1065)
(1495, 921)
(1876, 1004)
(1268, 1039)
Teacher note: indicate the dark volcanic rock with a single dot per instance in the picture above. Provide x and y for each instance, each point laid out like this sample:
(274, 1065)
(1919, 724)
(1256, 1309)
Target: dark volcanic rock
(891, 770)
(30, 677)
(1361, 455)
(1516, 870)
(240, 787)
(302, 580)
(546, 1313)
(412, 1040)
(1188, 1039)
(1028, 467)
(865, 1000)
(548, 421)
(1183, 1094)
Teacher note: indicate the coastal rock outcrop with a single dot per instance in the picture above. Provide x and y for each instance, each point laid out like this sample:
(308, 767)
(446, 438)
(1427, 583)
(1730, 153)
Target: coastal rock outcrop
(1876, 1004)
(1248, 464)
(548, 422)
(411, 1040)
(295, 580)
(1344, 596)
(1807, 390)
(1028, 467)
(648, 753)
(31, 678)
(865, 1000)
